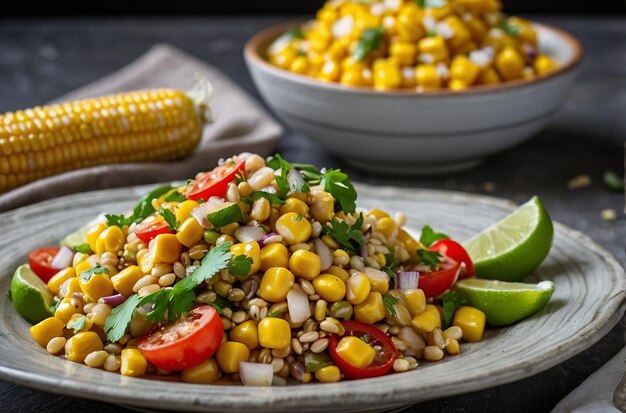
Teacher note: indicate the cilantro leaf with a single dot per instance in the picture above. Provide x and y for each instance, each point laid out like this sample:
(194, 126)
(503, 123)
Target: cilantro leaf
(315, 361)
(451, 301)
(388, 301)
(144, 207)
(430, 258)
(86, 275)
(78, 324)
(509, 28)
(118, 220)
(276, 313)
(340, 187)
(370, 41)
(365, 338)
(175, 196)
(428, 236)
(240, 265)
(273, 199)
(180, 304)
(160, 299)
(217, 259)
(116, 324)
(170, 218)
(83, 248)
(391, 263)
(430, 4)
(299, 217)
(240, 177)
(350, 237)
(53, 306)
(220, 304)
(224, 216)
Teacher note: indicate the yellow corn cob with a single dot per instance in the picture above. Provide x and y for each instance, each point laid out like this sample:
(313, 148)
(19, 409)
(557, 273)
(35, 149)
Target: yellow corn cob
(142, 126)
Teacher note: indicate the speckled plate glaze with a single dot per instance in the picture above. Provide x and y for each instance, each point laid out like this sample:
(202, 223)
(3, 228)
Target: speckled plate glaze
(587, 303)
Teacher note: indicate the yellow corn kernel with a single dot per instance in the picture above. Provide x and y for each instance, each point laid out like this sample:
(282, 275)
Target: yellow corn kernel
(528, 73)
(274, 255)
(78, 258)
(408, 23)
(439, 12)
(409, 242)
(387, 227)
(336, 51)
(404, 53)
(77, 347)
(322, 206)
(145, 261)
(316, 61)
(330, 241)
(46, 330)
(246, 333)
(434, 46)
(300, 196)
(509, 63)
(275, 284)
(379, 280)
(65, 309)
(339, 273)
(437, 311)
(356, 76)
(94, 233)
(425, 321)
(190, 232)
(358, 288)
(165, 248)
(544, 64)
(124, 280)
(488, 77)
(426, 77)
(111, 240)
(456, 84)
(378, 213)
(387, 76)
(59, 278)
(274, 333)
(183, 211)
(415, 301)
(98, 285)
(294, 205)
(461, 36)
(330, 71)
(477, 28)
(479, 6)
(73, 286)
(329, 287)
(305, 264)
(371, 310)
(82, 267)
(299, 65)
(134, 363)
(285, 57)
(464, 69)
(206, 372)
(249, 249)
(230, 354)
(328, 374)
(341, 253)
(293, 228)
(472, 322)
(355, 351)
(526, 32)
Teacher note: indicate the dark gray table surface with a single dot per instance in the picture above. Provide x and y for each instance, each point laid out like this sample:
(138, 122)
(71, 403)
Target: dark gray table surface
(41, 59)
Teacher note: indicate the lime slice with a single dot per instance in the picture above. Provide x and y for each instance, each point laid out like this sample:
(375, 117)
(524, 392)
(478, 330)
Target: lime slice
(30, 295)
(513, 248)
(505, 302)
(79, 236)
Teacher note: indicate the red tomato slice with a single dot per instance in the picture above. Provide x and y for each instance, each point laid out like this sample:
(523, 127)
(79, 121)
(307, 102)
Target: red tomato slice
(186, 343)
(454, 250)
(147, 231)
(384, 357)
(215, 183)
(39, 261)
(437, 282)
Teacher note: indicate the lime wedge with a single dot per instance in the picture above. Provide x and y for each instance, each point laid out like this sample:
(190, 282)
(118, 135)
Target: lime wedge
(30, 295)
(505, 302)
(513, 248)
(79, 236)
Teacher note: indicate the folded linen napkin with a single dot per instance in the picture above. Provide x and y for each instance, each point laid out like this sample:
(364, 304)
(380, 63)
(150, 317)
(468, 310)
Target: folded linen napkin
(240, 125)
(595, 394)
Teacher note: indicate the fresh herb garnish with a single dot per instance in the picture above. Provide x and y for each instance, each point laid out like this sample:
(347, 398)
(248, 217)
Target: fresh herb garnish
(273, 199)
(509, 28)
(274, 313)
(53, 306)
(299, 217)
(86, 275)
(315, 361)
(78, 324)
(220, 304)
(142, 210)
(175, 196)
(340, 187)
(370, 41)
(365, 338)
(391, 263)
(389, 300)
(240, 177)
(240, 265)
(224, 216)
(170, 218)
(430, 4)
(428, 236)
(83, 248)
(117, 220)
(350, 237)
(451, 301)
(430, 258)
(613, 182)
(277, 163)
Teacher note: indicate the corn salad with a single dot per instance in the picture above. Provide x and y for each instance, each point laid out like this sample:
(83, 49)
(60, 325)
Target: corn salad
(308, 287)
(412, 44)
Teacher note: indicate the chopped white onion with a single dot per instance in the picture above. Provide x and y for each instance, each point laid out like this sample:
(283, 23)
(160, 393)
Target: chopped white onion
(200, 213)
(256, 374)
(63, 258)
(377, 9)
(481, 57)
(342, 26)
(408, 280)
(444, 30)
(249, 234)
(298, 304)
(326, 256)
(295, 180)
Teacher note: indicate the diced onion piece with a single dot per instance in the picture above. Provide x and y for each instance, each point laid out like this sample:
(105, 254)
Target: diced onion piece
(408, 280)
(249, 233)
(112, 300)
(63, 259)
(256, 374)
(326, 256)
(266, 237)
(298, 304)
(342, 26)
(200, 213)
(295, 180)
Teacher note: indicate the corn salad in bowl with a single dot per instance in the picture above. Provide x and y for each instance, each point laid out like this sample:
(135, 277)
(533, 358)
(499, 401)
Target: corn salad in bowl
(416, 45)
(255, 272)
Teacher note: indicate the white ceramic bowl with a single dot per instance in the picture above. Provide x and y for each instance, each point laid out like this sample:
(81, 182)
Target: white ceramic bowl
(406, 131)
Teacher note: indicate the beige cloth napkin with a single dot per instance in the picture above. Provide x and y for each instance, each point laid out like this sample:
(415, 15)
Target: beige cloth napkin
(240, 125)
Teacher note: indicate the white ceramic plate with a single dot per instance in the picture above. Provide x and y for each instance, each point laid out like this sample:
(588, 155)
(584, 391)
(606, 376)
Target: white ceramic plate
(587, 303)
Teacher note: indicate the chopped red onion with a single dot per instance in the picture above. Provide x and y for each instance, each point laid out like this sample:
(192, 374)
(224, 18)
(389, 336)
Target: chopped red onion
(363, 251)
(264, 238)
(298, 304)
(113, 300)
(408, 280)
(63, 258)
(256, 374)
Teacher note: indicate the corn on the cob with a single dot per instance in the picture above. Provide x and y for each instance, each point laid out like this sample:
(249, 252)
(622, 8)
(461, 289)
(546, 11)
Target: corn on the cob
(141, 126)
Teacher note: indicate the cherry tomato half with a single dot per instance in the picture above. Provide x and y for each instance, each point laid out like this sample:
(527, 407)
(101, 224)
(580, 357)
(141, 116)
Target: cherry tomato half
(147, 231)
(454, 250)
(437, 282)
(215, 183)
(186, 343)
(39, 261)
(384, 357)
